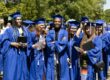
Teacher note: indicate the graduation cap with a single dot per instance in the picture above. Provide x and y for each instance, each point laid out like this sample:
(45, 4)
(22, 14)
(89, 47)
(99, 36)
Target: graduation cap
(28, 22)
(74, 23)
(40, 21)
(57, 16)
(99, 22)
(84, 19)
(15, 15)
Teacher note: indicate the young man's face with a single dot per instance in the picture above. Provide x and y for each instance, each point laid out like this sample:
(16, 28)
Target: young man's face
(18, 21)
(57, 22)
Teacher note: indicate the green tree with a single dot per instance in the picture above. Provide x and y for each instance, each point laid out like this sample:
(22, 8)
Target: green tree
(90, 8)
(3, 9)
(33, 9)
(107, 15)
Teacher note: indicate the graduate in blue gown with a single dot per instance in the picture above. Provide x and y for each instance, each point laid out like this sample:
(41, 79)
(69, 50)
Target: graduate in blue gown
(37, 53)
(5, 25)
(74, 40)
(95, 54)
(56, 41)
(14, 52)
(30, 28)
(100, 32)
(105, 41)
(106, 51)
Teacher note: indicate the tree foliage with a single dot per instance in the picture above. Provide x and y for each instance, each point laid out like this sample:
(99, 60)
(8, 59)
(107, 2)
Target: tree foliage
(33, 9)
(107, 15)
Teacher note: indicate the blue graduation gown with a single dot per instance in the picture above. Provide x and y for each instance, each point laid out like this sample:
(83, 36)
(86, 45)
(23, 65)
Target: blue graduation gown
(61, 49)
(37, 61)
(106, 51)
(94, 56)
(1, 57)
(15, 60)
(75, 72)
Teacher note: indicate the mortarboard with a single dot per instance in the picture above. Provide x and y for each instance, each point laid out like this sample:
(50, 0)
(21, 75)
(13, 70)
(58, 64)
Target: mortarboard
(15, 15)
(72, 24)
(84, 19)
(28, 22)
(75, 23)
(57, 16)
(99, 22)
(40, 21)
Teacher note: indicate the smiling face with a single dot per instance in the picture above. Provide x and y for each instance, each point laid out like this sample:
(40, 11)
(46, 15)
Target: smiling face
(18, 21)
(99, 30)
(57, 22)
(73, 30)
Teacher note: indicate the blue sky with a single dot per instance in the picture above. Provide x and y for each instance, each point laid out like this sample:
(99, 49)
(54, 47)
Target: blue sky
(107, 5)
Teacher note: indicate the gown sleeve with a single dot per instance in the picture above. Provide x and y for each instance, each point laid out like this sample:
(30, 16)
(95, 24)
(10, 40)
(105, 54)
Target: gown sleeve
(95, 53)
